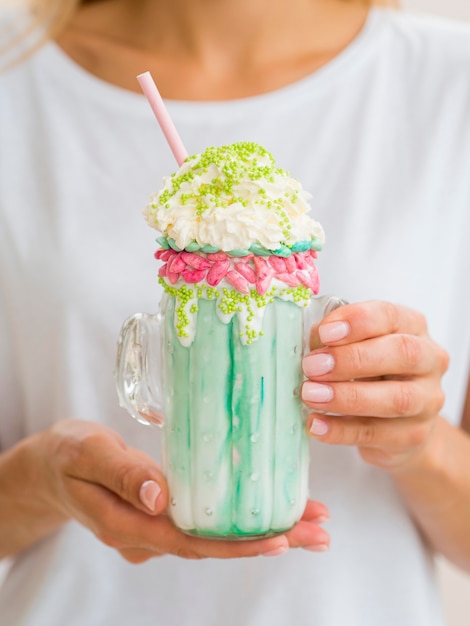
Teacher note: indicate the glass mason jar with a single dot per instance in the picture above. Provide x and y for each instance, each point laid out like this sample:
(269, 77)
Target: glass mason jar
(235, 450)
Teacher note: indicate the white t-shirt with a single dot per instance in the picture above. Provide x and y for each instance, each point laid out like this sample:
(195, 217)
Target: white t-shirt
(381, 138)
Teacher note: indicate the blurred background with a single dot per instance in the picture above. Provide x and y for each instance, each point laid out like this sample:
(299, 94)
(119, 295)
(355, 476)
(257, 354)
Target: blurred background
(452, 8)
(455, 585)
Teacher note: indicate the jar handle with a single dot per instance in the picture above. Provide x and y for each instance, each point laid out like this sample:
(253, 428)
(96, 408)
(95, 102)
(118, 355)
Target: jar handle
(318, 309)
(138, 372)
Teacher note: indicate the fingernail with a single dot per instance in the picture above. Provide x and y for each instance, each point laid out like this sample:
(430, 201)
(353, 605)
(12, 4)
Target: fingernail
(322, 519)
(316, 392)
(334, 331)
(318, 364)
(276, 551)
(322, 547)
(148, 494)
(319, 427)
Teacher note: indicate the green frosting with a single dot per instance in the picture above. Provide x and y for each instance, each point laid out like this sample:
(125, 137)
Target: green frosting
(283, 251)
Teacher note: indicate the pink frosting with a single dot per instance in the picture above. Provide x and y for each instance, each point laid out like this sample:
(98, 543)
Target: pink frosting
(242, 273)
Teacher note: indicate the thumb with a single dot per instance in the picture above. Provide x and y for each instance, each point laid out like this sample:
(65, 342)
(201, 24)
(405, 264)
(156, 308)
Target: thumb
(137, 479)
(149, 493)
(128, 473)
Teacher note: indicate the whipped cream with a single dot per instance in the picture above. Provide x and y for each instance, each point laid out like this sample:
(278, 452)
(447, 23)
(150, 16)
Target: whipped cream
(231, 198)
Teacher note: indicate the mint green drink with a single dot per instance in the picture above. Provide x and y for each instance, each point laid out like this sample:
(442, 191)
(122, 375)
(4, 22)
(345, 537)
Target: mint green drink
(238, 270)
(236, 448)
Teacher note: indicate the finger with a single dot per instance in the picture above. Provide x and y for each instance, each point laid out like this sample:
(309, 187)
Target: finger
(390, 355)
(183, 545)
(138, 555)
(382, 398)
(119, 525)
(113, 520)
(394, 435)
(139, 537)
(308, 535)
(129, 474)
(189, 547)
(315, 511)
(356, 322)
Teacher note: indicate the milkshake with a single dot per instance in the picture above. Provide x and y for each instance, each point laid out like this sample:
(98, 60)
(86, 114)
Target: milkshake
(238, 252)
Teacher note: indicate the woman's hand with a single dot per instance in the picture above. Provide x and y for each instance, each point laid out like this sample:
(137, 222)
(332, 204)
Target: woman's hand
(86, 472)
(374, 381)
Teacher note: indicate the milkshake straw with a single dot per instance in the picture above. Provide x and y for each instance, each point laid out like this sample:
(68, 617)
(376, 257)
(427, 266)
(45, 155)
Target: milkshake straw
(154, 98)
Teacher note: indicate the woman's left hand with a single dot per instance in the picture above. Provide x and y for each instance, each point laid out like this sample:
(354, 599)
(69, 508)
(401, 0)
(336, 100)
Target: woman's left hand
(374, 381)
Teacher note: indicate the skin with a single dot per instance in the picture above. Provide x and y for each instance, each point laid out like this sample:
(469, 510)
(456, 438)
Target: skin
(84, 471)
(211, 49)
(385, 372)
(385, 381)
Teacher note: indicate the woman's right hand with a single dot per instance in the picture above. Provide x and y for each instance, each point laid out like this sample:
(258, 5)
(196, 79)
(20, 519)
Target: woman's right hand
(88, 473)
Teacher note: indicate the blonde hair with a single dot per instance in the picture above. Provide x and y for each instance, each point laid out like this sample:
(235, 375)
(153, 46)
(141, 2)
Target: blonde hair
(45, 20)
(34, 22)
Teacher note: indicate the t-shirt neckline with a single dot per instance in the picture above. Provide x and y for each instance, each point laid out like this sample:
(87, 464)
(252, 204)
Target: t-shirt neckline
(72, 75)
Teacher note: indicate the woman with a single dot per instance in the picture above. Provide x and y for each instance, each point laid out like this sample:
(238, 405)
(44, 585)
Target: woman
(369, 108)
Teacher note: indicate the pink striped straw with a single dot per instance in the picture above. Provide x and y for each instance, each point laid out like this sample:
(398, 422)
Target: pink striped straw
(154, 98)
